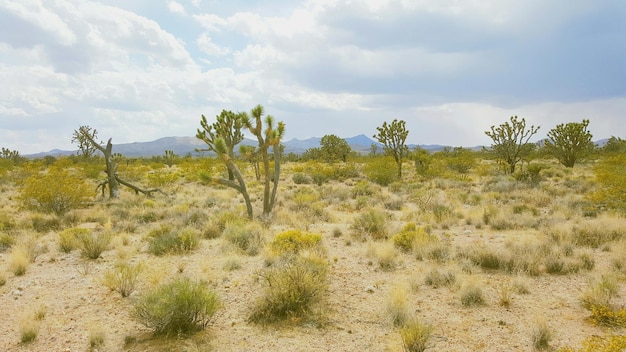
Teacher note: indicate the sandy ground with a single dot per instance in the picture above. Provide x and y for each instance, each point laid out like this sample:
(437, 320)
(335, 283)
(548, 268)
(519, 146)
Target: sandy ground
(76, 302)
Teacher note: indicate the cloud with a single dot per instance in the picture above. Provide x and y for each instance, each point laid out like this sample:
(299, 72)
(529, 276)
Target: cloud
(450, 69)
(176, 7)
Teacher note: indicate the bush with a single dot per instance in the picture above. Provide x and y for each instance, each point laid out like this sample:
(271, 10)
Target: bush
(372, 223)
(610, 173)
(293, 241)
(608, 343)
(165, 240)
(293, 288)
(246, 237)
(411, 235)
(6, 241)
(56, 191)
(301, 178)
(180, 307)
(541, 336)
(69, 238)
(472, 295)
(382, 171)
(122, 278)
(92, 245)
(436, 278)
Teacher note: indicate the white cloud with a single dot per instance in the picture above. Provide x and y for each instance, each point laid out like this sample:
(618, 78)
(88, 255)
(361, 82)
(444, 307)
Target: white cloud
(176, 7)
(208, 47)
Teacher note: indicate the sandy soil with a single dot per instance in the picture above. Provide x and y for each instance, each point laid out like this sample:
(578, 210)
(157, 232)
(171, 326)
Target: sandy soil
(76, 302)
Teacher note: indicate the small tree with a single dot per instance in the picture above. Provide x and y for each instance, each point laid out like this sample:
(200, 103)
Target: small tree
(510, 141)
(227, 127)
(392, 137)
(85, 137)
(570, 142)
(268, 137)
(12, 155)
(614, 145)
(250, 154)
(334, 148)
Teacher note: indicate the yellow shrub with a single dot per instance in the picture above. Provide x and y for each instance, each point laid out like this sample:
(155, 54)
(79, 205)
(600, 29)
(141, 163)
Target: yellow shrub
(293, 241)
(410, 236)
(56, 191)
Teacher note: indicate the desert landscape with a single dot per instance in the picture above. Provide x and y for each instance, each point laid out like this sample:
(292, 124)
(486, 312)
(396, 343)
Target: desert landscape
(460, 255)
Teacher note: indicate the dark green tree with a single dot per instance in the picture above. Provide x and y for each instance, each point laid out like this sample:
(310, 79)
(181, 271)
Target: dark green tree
(334, 148)
(510, 141)
(570, 142)
(268, 137)
(392, 137)
(86, 138)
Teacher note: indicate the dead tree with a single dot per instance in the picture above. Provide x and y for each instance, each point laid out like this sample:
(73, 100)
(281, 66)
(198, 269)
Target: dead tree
(84, 134)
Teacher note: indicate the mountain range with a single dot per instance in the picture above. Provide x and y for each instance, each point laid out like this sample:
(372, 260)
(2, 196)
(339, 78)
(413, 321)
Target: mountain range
(188, 145)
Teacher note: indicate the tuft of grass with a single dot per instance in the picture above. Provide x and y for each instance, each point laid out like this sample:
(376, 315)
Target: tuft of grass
(436, 278)
(504, 290)
(69, 238)
(600, 292)
(18, 260)
(182, 306)
(385, 255)
(541, 335)
(247, 237)
(415, 336)
(231, 263)
(97, 337)
(6, 241)
(607, 343)
(397, 306)
(123, 278)
(293, 288)
(92, 245)
(472, 295)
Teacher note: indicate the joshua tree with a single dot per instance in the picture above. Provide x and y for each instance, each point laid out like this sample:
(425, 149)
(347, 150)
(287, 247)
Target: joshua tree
(392, 137)
(249, 153)
(216, 138)
(227, 127)
(570, 142)
(86, 140)
(85, 134)
(510, 141)
(268, 137)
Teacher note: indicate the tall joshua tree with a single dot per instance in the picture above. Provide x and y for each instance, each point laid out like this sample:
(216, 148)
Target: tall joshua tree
(217, 136)
(392, 136)
(268, 138)
(510, 141)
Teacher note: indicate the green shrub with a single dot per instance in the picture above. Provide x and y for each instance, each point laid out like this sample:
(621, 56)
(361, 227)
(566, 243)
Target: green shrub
(371, 223)
(93, 244)
(166, 240)
(180, 307)
(382, 171)
(45, 223)
(69, 238)
(293, 288)
(293, 241)
(300, 178)
(56, 191)
(411, 235)
(246, 237)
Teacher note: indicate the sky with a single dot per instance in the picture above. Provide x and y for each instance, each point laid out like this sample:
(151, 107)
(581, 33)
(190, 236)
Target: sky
(145, 69)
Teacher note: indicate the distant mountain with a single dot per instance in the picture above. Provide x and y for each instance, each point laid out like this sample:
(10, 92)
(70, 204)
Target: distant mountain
(188, 145)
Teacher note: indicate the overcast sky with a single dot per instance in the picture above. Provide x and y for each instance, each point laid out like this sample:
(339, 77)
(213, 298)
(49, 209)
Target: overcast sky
(144, 69)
